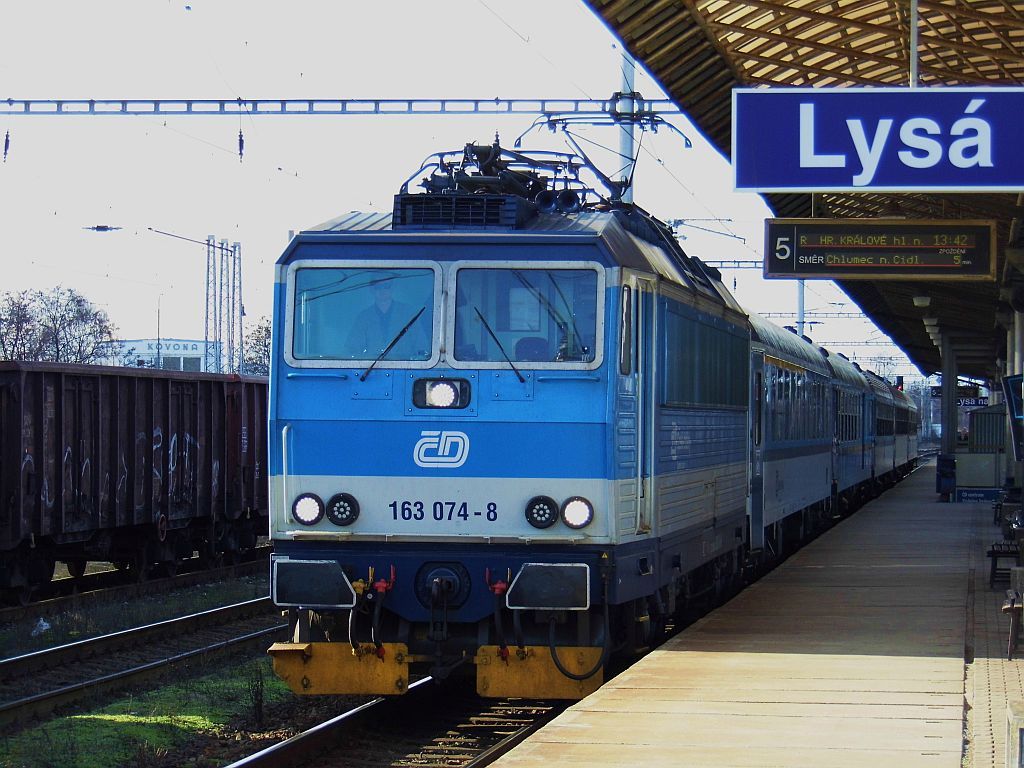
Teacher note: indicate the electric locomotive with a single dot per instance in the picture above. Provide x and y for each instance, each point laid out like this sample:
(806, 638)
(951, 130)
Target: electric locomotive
(515, 428)
(508, 432)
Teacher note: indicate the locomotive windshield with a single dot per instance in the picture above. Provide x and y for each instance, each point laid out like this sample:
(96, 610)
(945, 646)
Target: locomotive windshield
(526, 315)
(364, 314)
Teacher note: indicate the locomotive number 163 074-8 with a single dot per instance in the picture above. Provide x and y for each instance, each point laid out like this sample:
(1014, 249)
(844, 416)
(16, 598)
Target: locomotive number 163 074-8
(440, 511)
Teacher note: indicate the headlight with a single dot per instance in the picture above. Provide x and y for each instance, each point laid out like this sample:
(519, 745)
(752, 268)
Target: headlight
(541, 511)
(577, 512)
(342, 509)
(441, 393)
(308, 509)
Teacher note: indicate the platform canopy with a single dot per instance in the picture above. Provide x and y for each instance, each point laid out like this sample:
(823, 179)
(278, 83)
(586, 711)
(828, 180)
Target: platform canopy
(699, 50)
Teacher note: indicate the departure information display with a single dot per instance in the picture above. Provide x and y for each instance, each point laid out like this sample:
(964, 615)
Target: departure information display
(880, 249)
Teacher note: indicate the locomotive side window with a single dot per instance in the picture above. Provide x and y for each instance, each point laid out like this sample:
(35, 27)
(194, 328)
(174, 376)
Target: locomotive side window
(704, 365)
(524, 316)
(361, 314)
(626, 331)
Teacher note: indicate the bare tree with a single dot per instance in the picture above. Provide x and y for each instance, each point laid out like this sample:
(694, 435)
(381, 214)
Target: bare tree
(257, 349)
(59, 325)
(19, 331)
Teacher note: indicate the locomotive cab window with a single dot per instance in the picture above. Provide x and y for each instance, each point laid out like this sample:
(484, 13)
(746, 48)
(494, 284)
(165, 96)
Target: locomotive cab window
(355, 314)
(536, 316)
(626, 331)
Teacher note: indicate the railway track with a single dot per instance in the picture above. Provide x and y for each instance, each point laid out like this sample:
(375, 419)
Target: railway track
(35, 684)
(71, 594)
(429, 727)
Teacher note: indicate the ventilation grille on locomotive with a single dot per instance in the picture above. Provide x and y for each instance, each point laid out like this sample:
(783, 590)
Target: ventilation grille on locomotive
(460, 211)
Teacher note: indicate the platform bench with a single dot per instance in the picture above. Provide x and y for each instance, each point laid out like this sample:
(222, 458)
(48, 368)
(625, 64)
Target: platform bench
(1002, 550)
(1014, 606)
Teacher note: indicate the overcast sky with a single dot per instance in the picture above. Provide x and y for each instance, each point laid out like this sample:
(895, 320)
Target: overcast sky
(183, 175)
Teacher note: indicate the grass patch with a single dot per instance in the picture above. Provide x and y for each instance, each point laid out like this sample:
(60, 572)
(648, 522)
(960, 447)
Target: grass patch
(151, 729)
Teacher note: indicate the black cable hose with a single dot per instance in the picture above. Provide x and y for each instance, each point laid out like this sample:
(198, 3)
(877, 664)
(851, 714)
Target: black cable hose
(351, 628)
(517, 628)
(498, 626)
(605, 648)
(378, 609)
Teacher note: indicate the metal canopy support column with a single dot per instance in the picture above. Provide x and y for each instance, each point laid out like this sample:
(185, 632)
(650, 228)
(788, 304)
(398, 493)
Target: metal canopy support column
(945, 466)
(949, 410)
(1015, 365)
(1018, 342)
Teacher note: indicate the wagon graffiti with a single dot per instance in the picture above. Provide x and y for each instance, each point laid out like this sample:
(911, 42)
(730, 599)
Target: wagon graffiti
(181, 485)
(44, 494)
(141, 440)
(158, 444)
(85, 484)
(68, 477)
(122, 479)
(172, 465)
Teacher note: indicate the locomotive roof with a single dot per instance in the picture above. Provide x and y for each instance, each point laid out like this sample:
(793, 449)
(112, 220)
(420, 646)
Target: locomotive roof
(631, 236)
(585, 223)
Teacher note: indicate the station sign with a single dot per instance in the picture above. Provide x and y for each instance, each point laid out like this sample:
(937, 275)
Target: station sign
(972, 402)
(877, 139)
(962, 391)
(873, 249)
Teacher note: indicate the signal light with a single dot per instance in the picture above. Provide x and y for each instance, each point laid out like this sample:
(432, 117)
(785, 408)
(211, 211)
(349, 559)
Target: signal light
(541, 511)
(342, 509)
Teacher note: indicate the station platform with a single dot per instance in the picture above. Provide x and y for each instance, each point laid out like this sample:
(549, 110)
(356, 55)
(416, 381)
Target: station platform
(879, 644)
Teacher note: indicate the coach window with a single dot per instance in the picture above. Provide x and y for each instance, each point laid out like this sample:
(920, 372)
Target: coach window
(758, 405)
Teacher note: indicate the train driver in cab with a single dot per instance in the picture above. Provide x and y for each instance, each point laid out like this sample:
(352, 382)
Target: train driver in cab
(381, 323)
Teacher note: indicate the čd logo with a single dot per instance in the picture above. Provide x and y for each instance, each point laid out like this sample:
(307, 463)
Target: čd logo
(446, 450)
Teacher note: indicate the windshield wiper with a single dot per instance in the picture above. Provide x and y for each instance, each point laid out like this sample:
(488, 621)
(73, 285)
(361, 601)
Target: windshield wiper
(394, 341)
(503, 352)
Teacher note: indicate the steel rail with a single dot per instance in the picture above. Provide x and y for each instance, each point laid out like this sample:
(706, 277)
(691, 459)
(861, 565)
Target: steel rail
(44, 703)
(512, 741)
(46, 658)
(90, 590)
(296, 750)
(454, 745)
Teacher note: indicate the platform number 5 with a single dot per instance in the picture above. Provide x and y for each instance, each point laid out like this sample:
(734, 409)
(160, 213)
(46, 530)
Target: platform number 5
(782, 248)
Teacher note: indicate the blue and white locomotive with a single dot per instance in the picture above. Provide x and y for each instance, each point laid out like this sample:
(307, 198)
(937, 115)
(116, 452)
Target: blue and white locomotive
(515, 431)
